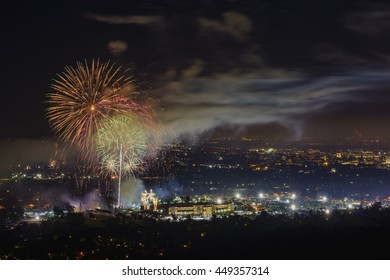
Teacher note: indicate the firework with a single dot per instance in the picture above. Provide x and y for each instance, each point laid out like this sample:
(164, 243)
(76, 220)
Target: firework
(83, 97)
(95, 108)
(122, 144)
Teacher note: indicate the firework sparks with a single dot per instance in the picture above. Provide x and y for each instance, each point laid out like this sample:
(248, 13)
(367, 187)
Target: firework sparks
(122, 143)
(95, 108)
(83, 97)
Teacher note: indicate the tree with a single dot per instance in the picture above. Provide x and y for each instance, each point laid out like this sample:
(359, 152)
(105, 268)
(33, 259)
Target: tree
(57, 211)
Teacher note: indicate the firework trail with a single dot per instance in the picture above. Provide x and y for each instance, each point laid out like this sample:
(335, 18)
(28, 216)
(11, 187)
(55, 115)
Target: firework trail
(123, 144)
(125, 135)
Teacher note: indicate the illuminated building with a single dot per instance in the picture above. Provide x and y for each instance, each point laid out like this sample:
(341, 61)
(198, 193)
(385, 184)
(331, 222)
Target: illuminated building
(204, 210)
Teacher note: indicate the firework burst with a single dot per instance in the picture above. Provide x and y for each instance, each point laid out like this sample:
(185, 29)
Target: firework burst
(94, 106)
(83, 97)
(122, 144)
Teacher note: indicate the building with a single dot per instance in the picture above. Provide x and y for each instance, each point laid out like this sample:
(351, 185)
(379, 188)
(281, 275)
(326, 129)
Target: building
(204, 210)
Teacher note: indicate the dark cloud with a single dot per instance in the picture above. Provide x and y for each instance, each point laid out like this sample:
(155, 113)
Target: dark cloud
(234, 24)
(129, 19)
(371, 20)
(241, 99)
(193, 70)
(117, 47)
(336, 56)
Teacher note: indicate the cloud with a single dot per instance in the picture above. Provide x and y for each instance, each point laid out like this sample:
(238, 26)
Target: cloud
(196, 105)
(117, 47)
(234, 24)
(194, 70)
(373, 20)
(131, 190)
(325, 52)
(115, 19)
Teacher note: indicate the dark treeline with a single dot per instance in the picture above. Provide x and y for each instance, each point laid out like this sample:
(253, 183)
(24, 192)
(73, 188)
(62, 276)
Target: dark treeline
(357, 234)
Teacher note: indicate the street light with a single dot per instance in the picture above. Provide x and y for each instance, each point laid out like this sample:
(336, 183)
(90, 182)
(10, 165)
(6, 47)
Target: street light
(293, 207)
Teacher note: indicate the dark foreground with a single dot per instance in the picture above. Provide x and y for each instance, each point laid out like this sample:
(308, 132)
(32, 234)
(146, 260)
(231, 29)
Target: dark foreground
(357, 234)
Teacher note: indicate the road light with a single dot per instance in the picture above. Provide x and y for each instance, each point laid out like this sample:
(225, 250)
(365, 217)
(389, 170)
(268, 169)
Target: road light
(293, 207)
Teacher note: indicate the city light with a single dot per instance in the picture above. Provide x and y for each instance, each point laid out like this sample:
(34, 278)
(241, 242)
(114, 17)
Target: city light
(278, 199)
(293, 196)
(350, 206)
(293, 207)
(238, 195)
(219, 200)
(325, 199)
(261, 195)
(327, 211)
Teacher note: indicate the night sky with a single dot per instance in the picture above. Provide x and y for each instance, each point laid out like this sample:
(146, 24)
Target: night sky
(306, 67)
